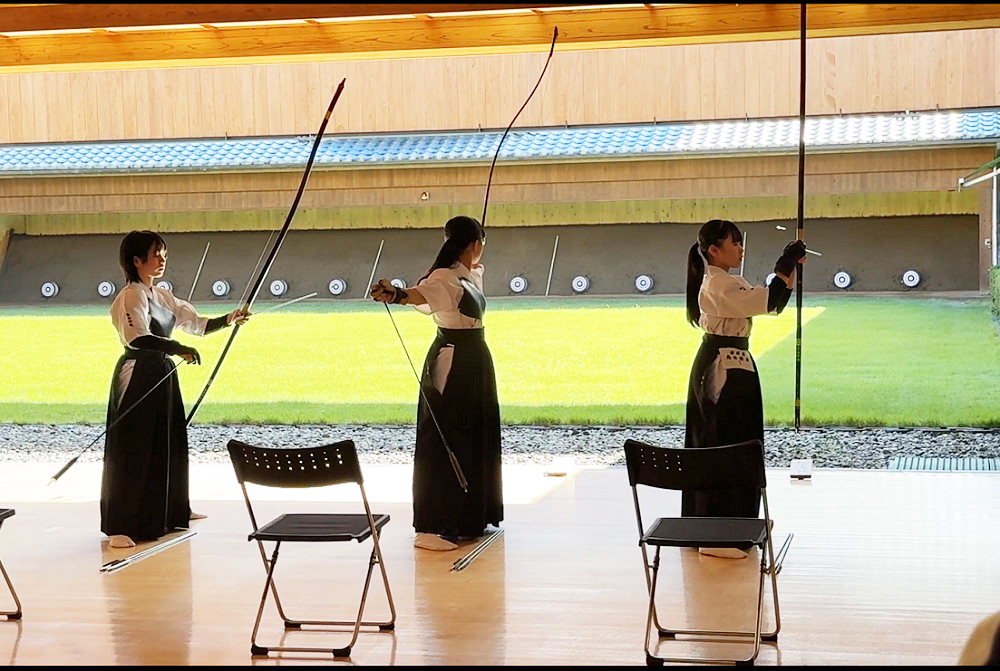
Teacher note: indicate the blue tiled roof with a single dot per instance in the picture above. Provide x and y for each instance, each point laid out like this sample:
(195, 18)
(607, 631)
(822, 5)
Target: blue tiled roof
(913, 129)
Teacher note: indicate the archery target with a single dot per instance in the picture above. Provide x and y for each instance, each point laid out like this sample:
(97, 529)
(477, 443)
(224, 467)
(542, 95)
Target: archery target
(580, 284)
(842, 280)
(643, 283)
(337, 286)
(278, 287)
(398, 283)
(518, 284)
(220, 288)
(165, 285)
(105, 289)
(49, 289)
(911, 278)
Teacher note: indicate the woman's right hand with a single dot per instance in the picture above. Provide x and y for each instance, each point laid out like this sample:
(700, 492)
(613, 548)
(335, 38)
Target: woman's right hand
(383, 292)
(793, 253)
(190, 355)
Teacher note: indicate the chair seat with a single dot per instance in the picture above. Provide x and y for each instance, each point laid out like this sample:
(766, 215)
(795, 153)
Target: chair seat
(5, 513)
(706, 532)
(319, 527)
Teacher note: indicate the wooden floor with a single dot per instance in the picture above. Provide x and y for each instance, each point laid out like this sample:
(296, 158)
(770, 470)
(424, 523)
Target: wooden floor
(886, 568)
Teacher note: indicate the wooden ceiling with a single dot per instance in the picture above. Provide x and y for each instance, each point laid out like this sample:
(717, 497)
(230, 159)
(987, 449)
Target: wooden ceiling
(59, 37)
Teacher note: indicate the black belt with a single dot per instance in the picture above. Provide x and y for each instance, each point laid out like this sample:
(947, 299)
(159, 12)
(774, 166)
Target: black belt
(144, 354)
(717, 341)
(461, 336)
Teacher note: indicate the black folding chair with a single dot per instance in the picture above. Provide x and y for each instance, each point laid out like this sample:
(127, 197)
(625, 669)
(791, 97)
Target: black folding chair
(14, 614)
(310, 467)
(718, 468)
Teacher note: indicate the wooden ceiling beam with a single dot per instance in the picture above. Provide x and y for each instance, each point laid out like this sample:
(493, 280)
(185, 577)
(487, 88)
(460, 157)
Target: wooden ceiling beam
(16, 17)
(426, 33)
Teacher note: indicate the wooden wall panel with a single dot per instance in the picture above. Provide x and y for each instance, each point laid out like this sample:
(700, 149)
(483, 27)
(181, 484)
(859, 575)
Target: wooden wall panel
(520, 214)
(914, 71)
(889, 172)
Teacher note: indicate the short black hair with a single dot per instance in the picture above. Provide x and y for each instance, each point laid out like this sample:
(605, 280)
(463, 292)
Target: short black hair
(137, 243)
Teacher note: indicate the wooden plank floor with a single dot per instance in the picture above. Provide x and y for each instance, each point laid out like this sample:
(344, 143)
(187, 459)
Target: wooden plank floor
(886, 568)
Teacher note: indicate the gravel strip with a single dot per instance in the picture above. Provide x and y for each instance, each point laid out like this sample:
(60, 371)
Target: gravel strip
(867, 448)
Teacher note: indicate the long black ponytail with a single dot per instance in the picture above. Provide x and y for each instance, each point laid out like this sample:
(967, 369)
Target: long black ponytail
(459, 233)
(711, 233)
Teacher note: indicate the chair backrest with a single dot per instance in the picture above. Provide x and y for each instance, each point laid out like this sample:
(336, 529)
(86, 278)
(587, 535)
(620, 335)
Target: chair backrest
(295, 466)
(739, 465)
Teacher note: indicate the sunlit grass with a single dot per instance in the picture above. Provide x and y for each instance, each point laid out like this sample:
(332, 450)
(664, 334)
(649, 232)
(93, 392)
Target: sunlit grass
(870, 361)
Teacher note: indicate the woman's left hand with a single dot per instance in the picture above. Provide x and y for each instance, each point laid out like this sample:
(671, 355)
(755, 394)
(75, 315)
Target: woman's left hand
(237, 316)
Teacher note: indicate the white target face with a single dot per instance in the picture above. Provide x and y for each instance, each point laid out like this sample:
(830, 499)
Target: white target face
(337, 287)
(220, 288)
(842, 280)
(580, 284)
(911, 278)
(398, 283)
(49, 289)
(769, 279)
(278, 287)
(518, 284)
(166, 286)
(105, 289)
(643, 283)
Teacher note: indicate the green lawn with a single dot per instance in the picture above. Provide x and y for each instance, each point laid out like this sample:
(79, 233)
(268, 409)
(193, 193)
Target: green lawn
(896, 361)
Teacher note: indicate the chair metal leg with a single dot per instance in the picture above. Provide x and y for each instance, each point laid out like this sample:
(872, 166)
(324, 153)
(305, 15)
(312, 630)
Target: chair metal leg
(15, 614)
(274, 586)
(254, 648)
(651, 578)
(391, 624)
(757, 635)
(772, 570)
(649, 586)
(345, 651)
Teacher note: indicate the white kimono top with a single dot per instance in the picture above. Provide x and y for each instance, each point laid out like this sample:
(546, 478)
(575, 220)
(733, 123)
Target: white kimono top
(131, 318)
(727, 302)
(443, 290)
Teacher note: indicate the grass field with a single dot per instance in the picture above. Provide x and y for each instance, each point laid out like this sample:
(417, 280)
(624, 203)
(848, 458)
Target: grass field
(868, 361)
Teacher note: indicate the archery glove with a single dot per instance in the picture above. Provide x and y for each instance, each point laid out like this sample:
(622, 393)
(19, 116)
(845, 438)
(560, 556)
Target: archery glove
(792, 254)
(216, 323)
(384, 292)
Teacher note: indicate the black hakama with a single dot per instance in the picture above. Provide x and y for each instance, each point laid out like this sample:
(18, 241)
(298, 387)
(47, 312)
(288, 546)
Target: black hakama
(468, 414)
(144, 489)
(737, 416)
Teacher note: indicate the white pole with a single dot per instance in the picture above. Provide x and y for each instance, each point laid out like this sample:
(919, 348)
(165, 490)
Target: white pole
(552, 265)
(744, 259)
(993, 240)
(372, 278)
(198, 274)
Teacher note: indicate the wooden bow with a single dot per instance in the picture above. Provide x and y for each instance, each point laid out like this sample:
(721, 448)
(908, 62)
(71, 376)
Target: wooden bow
(252, 296)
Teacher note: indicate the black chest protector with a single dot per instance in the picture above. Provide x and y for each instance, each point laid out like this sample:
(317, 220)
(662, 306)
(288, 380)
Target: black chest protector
(473, 302)
(161, 320)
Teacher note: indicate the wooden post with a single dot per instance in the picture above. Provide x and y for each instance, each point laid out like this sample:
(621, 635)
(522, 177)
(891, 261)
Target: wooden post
(4, 244)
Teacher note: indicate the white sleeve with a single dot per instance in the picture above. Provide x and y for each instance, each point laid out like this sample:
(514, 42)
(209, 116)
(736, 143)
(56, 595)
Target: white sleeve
(185, 314)
(130, 314)
(727, 297)
(442, 291)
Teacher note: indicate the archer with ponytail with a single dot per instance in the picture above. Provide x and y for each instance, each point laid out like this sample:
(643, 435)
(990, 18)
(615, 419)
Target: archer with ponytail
(724, 404)
(459, 383)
